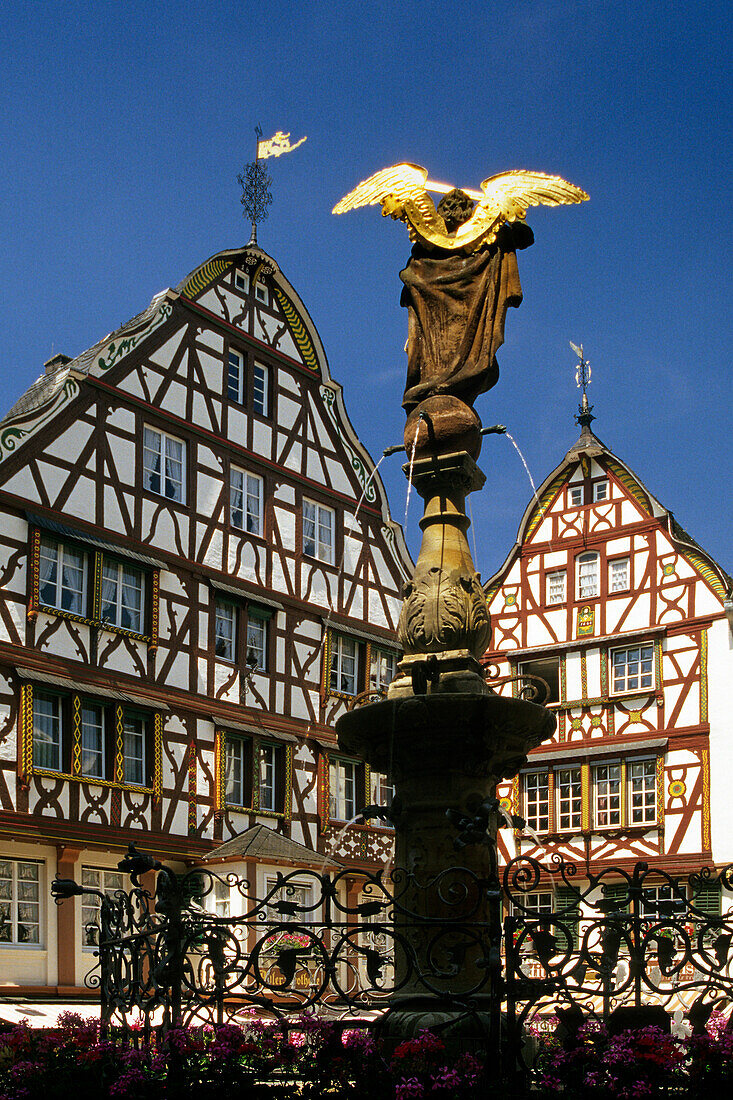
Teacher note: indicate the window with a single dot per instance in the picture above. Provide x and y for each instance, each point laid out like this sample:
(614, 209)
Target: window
(344, 664)
(569, 795)
(237, 771)
(537, 801)
(575, 495)
(342, 792)
(123, 593)
(235, 376)
(382, 791)
(587, 565)
(318, 531)
(221, 898)
(642, 776)
(555, 582)
(241, 280)
(657, 902)
(261, 292)
(618, 575)
(62, 576)
(163, 461)
(267, 758)
(255, 774)
(97, 879)
(544, 668)
(20, 901)
(256, 641)
(382, 668)
(607, 784)
(290, 903)
(92, 741)
(245, 501)
(633, 668)
(224, 630)
(535, 904)
(600, 491)
(46, 731)
(134, 750)
(261, 389)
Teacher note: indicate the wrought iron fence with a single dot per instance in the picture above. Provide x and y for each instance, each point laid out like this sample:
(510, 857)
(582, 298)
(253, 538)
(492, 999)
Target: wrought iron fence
(622, 946)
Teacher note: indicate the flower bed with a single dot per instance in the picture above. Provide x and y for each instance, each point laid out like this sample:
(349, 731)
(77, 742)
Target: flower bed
(316, 1059)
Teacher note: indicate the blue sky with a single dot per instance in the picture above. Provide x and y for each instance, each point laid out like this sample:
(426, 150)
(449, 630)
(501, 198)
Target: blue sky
(123, 127)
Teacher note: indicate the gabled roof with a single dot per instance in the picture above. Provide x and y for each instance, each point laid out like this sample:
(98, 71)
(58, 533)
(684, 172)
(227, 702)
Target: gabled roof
(589, 445)
(259, 842)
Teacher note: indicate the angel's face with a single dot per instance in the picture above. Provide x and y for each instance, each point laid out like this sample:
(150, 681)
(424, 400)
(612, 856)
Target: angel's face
(392, 207)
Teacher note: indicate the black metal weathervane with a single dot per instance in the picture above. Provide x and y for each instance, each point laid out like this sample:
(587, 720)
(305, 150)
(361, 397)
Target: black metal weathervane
(582, 379)
(255, 180)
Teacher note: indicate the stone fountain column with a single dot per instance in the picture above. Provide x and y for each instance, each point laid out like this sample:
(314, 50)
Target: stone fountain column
(444, 739)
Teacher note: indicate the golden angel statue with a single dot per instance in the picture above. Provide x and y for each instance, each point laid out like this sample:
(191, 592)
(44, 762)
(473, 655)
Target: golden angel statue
(462, 275)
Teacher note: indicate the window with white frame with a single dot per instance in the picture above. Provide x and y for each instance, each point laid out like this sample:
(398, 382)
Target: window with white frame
(256, 640)
(656, 902)
(164, 459)
(600, 490)
(382, 668)
(569, 796)
(267, 763)
(122, 596)
(575, 496)
(241, 280)
(134, 763)
(633, 668)
(556, 582)
(607, 795)
(108, 882)
(20, 901)
(342, 788)
(221, 897)
(344, 664)
(92, 740)
(225, 617)
(261, 293)
(618, 575)
(46, 731)
(537, 801)
(246, 494)
(238, 771)
(587, 567)
(261, 389)
(642, 780)
(319, 523)
(296, 899)
(235, 376)
(382, 791)
(62, 573)
(535, 903)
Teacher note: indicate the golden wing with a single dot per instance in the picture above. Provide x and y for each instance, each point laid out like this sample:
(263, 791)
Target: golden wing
(508, 194)
(403, 181)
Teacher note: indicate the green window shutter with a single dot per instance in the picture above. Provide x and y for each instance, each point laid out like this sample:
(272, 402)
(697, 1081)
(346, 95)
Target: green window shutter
(616, 892)
(258, 611)
(567, 908)
(708, 899)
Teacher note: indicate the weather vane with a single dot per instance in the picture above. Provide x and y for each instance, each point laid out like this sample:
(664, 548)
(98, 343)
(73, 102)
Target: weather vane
(255, 180)
(582, 380)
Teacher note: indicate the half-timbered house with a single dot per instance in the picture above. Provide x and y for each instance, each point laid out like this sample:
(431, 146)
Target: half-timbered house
(199, 571)
(610, 612)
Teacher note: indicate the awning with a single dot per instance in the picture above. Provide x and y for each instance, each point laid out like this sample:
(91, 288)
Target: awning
(91, 540)
(258, 731)
(570, 753)
(88, 689)
(241, 594)
(349, 629)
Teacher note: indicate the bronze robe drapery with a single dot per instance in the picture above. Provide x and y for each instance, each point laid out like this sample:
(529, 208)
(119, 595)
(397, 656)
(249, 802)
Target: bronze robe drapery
(457, 307)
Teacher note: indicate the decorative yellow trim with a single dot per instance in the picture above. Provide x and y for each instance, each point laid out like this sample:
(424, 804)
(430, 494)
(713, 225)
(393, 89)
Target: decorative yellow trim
(705, 571)
(516, 799)
(541, 509)
(97, 602)
(203, 277)
(219, 768)
(288, 793)
(584, 673)
(660, 798)
(703, 675)
(631, 485)
(119, 768)
(154, 608)
(25, 734)
(157, 755)
(93, 781)
(300, 333)
(585, 796)
(706, 839)
(35, 573)
(323, 789)
(76, 735)
(624, 817)
(192, 787)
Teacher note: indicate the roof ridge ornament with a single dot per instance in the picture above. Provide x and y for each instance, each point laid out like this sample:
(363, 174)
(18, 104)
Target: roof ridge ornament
(582, 380)
(255, 180)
